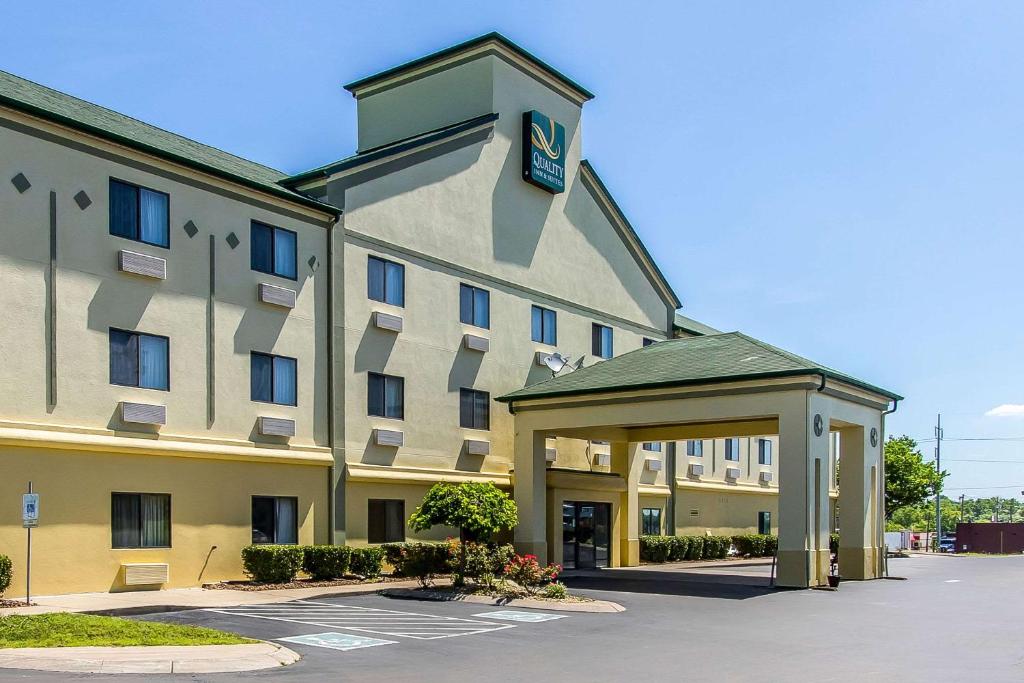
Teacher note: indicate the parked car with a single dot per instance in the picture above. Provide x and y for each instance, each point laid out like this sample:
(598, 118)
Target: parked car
(947, 545)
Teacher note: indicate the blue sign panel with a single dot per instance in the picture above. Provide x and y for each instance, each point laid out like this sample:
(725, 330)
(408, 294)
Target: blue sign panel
(543, 152)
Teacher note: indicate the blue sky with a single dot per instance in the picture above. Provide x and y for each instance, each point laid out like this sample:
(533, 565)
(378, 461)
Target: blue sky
(840, 179)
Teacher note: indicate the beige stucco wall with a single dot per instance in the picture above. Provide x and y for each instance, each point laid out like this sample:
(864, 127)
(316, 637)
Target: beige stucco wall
(210, 506)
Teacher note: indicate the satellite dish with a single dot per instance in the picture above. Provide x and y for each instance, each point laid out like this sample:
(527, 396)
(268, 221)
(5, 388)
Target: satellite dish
(555, 362)
(578, 364)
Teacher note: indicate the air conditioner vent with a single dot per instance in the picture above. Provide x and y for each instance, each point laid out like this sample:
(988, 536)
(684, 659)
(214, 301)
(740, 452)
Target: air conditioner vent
(475, 343)
(143, 413)
(146, 574)
(386, 321)
(475, 447)
(277, 296)
(388, 437)
(277, 426)
(696, 469)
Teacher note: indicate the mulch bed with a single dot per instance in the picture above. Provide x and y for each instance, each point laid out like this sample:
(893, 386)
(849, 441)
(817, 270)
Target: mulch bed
(482, 590)
(297, 583)
(14, 603)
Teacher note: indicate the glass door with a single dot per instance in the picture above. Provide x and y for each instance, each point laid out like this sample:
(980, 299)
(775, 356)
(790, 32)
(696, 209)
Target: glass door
(586, 535)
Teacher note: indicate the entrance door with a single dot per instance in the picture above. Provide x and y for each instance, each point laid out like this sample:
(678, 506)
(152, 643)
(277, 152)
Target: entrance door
(586, 534)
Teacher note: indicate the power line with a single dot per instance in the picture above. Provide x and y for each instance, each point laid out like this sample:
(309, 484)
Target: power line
(978, 488)
(982, 460)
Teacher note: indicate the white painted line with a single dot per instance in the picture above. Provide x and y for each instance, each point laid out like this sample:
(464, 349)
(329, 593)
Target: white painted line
(953, 581)
(337, 641)
(515, 615)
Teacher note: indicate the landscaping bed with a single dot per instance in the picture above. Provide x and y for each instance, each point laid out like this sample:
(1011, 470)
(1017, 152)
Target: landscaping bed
(88, 630)
(14, 603)
(298, 583)
(455, 592)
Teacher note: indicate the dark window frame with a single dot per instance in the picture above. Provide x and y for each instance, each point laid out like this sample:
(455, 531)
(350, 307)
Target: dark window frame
(138, 213)
(735, 450)
(384, 395)
(764, 452)
(138, 360)
(646, 516)
(486, 415)
(597, 340)
(275, 540)
(384, 285)
(472, 304)
(274, 230)
(543, 325)
(652, 446)
(764, 522)
(273, 378)
(140, 546)
(378, 523)
(697, 451)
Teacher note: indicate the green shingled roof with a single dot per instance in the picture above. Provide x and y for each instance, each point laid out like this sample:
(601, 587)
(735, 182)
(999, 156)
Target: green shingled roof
(59, 107)
(693, 326)
(715, 358)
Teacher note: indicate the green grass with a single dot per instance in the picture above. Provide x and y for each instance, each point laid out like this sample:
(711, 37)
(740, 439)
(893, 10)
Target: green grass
(77, 630)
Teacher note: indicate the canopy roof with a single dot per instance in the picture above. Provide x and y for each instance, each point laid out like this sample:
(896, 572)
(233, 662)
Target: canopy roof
(714, 358)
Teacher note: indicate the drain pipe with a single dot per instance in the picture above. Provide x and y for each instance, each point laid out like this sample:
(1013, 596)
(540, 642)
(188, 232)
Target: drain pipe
(884, 564)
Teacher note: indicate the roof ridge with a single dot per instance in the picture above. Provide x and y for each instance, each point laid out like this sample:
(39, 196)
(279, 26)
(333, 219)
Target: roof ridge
(141, 122)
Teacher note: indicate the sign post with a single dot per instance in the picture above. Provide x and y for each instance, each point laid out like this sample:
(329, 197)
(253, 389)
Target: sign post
(29, 520)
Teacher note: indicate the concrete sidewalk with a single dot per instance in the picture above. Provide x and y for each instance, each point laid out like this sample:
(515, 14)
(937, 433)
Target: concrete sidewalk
(149, 660)
(141, 602)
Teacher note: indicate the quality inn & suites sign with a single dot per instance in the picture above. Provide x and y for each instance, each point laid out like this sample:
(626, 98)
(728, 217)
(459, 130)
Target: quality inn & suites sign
(543, 152)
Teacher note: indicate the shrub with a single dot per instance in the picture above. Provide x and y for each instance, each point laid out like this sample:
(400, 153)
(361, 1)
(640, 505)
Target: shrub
(420, 560)
(555, 591)
(716, 547)
(325, 562)
(527, 572)
(5, 573)
(272, 563)
(771, 545)
(655, 548)
(486, 560)
(678, 547)
(366, 561)
(755, 545)
(833, 543)
(695, 548)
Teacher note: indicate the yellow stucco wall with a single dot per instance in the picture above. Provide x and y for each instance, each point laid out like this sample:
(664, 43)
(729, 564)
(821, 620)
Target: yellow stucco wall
(210, 506)
(722, 512)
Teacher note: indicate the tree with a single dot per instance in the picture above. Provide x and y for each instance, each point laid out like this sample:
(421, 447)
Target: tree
(478, 510)
(908, 479)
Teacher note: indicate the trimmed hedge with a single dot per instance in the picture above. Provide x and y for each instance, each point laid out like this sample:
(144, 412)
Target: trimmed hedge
(272, 563)
(326, 562)
(756, 545)
(419, 560)
(5, 573)
(366, 561)
(679, 548)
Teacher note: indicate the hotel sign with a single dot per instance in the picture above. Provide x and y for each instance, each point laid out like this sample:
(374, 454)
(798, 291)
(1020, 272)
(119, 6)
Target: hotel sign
(543, 152)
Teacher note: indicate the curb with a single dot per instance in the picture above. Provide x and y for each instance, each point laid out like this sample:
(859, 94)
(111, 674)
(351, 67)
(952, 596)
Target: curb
(593, 606)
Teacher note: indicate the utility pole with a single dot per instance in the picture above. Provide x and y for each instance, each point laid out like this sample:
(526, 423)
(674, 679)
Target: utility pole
(938, 487)
(961, 508)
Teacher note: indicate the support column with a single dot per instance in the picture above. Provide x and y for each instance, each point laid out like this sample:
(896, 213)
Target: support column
(531, 495)
(859, 514)
(803, 492)
(631, 455)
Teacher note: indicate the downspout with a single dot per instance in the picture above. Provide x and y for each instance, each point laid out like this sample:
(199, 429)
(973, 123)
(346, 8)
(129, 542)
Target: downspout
(883, 560)
(330, 378)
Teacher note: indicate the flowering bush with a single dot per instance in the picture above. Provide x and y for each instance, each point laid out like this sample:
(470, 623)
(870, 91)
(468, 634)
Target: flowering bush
(527, 572)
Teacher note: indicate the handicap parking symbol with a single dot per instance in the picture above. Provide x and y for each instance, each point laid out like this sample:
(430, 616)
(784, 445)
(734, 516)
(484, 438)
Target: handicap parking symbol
(337, 641)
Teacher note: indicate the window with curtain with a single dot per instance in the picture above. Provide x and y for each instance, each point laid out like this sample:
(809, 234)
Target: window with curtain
(385, 396)
(140, 520)
(732, 449)
(273, 250)
(543, 326)
(652, 446)
(601, 338)
(650, 520)
(695, 448)
(275, 519)
(273, 379)
(385, 521)
(139, 213)
(474, 306)
(474, 409)
(385, 281)
(764, 522)
(139, 360)
(764, 452)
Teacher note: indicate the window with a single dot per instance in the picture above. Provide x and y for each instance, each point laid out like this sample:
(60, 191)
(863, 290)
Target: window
(695, 448)
(474, 306)
(650, 519)
(140, 214)
(474, 409)
(273, 250)
(764, 522)
(139, 360)
(386, 521)
(275, 520)
(140, 520)
(764, 452)
(273, 379)
(385, 281)
(385, 396)
(648, 341)
(543, 326)
(652, 446)
(602, 341)
(732, 449)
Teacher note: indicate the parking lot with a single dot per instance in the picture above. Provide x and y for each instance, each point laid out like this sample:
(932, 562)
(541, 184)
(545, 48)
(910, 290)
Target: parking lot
(953, 618)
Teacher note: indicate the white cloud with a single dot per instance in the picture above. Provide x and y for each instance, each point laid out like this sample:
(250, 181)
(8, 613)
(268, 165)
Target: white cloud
(1007, 410)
